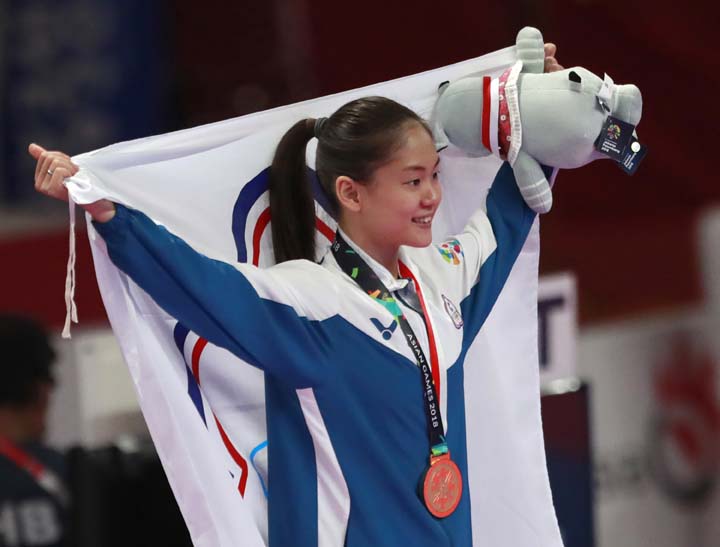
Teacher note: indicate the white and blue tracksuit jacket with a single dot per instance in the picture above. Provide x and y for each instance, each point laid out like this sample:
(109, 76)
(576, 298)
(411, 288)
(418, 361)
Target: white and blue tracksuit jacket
(347, 433)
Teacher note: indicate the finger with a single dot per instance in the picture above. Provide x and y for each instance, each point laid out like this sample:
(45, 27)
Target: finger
(63, 160)
(38, 165)
(550, 61)
(45, 166)
(550, 49)
(44, 160)
(52, 160)
(551, 65)
(56, 187)
(56, 163)
(35, 150)
(73, 168)
(62, 155)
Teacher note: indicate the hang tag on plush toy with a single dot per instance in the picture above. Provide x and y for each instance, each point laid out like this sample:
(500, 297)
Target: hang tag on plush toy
(614, 138)
(634, 154)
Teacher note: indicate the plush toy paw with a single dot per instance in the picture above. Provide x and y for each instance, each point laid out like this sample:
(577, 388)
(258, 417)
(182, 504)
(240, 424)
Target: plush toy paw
(530, 48)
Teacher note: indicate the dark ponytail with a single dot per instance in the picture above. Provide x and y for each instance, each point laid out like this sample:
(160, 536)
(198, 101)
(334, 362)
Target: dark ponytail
(292, 207)
(357, 139)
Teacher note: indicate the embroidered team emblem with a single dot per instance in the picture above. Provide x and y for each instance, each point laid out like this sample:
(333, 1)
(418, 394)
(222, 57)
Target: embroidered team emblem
(451, 251)
(453, 312)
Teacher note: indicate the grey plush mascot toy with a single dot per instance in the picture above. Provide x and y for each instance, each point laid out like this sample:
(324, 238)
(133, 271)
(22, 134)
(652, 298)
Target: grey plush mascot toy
(563, 119)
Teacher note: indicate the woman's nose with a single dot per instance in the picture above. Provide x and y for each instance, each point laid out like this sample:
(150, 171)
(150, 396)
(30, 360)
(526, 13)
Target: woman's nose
(432, 194)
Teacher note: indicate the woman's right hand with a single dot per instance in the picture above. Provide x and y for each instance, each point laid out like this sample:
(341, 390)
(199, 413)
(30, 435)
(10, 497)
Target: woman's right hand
(51, 170)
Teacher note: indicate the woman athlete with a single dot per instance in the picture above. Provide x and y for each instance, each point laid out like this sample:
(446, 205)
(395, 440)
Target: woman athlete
(363, 351)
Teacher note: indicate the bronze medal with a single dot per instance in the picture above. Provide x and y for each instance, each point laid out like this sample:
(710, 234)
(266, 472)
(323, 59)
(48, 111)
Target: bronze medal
(442, 486)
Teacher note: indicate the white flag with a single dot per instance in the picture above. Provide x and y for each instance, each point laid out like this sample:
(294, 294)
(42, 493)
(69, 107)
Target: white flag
(205, 408)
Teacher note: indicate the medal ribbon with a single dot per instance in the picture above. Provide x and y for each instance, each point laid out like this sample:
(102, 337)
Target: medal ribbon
(354, 266)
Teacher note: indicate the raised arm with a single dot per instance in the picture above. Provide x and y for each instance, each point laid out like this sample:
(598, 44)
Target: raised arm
(474, 265)
(510, 220)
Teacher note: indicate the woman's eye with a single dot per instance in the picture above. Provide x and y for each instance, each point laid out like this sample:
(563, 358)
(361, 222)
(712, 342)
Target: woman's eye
(414, 182)
(436, 175)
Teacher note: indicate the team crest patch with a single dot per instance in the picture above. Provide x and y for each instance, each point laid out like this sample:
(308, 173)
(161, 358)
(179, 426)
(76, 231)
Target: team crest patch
(451, 251)
(453, 312)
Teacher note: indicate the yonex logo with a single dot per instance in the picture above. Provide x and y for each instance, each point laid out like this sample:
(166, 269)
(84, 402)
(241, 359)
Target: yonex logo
(386, 332)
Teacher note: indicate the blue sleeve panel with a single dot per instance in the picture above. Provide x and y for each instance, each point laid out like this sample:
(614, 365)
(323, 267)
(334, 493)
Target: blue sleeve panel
(214, 299)
(292, 470)
(511, 220)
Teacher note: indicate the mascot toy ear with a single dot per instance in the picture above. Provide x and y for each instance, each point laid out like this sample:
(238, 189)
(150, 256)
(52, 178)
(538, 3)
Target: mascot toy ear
(563, 119)
(441, 139)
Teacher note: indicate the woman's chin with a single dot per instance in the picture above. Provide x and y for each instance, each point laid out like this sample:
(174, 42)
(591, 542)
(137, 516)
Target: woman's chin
(420, 240)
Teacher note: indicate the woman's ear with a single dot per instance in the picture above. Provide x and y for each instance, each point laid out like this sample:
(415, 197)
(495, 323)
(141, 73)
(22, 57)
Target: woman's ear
(347, 192)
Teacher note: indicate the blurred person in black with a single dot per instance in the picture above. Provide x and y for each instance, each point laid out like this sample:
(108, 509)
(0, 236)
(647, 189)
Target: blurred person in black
(33, 498)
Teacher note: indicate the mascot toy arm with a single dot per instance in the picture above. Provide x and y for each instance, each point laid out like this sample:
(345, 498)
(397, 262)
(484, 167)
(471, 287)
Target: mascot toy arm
(562, 119)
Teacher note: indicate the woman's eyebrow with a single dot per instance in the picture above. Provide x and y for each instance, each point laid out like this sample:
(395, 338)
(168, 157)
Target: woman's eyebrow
(420, 167)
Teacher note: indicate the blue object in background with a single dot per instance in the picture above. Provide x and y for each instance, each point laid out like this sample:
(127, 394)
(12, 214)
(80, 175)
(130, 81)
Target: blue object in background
(570, 465)
(79, 75)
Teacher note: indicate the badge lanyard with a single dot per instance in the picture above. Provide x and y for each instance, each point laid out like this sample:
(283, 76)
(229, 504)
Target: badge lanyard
(441, 484)
(48, 480)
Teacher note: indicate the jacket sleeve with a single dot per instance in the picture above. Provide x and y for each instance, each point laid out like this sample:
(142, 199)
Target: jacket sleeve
(472, 267)
(256, 314)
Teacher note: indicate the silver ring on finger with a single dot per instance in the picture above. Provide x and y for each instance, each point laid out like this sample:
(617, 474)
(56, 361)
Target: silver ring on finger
(50, 172)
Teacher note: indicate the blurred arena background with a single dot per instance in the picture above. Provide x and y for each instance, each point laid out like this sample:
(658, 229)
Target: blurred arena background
(630, 301)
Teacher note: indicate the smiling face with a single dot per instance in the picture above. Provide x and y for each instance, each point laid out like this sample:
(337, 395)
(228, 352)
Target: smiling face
(397, 205)
(404, 194)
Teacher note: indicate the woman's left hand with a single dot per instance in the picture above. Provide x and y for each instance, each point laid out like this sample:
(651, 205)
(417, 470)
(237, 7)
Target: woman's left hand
(551, 64)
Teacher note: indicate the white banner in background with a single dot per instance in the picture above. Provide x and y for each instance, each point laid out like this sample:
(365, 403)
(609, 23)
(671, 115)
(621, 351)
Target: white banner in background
(205, 408)
(558, 327)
